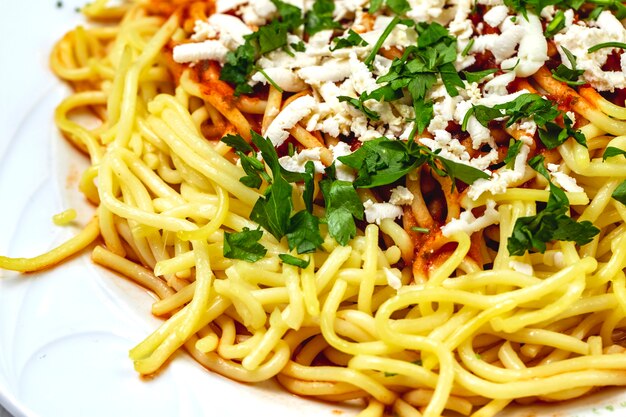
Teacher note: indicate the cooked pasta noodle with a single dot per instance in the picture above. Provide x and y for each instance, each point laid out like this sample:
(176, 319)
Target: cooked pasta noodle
(407, 315)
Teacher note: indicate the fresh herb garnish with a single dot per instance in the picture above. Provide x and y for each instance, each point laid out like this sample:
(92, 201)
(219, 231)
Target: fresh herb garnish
(292, 260)
(567, 75)
(620, 193)
(555, 26)
(383, 161)
(353, 39)
(512, 152)
(551, 223)
(240, 63)
(603, 45)
(360, 105)
(468, 47)
(474, 77)
(396, 6)
(320, 17)
(611, 151)
(416, 72)
(379, 43)
(244, 245)
(343, 205)
(417, 229)
(529, 105)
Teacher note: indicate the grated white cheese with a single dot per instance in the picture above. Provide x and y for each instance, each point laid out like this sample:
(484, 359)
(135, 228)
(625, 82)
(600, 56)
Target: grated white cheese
(401, 196)
(377, 212)
(533, 48)
(283, 77)
(193, 52)
(297, 162)
(579, 37)
(563, 180)
(298, 109)
(503, 178)
(393, 280)
(468, 223)
(521, 267)
(496, 15)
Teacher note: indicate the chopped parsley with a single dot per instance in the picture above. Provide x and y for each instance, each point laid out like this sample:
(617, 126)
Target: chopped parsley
(551, 223)
(353, 39)
(396, 6)
(474, 77)
(612, 151)
(244, 245)
(343, 205)
(620, 193)
(241, 62)
(292, 260)
(416, 72)
(529, 105)
(320, 17)
(512, 152)
(383, 161)
(567, 75)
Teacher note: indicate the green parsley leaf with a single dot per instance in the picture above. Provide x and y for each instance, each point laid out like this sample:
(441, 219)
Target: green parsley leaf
(244, 245)
(551, 223)
(303, 233)
(611, 151)
(237, 143)
(292, 260)
(375, 5)
(399, 6)
(420, 229)
(512, 152)
(241, 62)
(353, 39)
(342, 207)
(380, 162)
(298, 47)
(320, 17)
(360, 105)
(542, 111)
(620, 193)
(474, 77)
(272, 211)
(567, 75)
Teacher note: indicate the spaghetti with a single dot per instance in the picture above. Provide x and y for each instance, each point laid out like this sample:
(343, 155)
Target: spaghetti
(492, 273)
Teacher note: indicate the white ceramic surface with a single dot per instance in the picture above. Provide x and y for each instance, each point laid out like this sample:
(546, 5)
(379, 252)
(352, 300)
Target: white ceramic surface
(65, 333)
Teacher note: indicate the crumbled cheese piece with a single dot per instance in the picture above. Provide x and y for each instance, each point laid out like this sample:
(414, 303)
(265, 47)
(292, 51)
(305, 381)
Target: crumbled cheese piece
(283, 77)
(468, 223)
(295, 111)
(393, 280)
(193, 52)
(297, 162)
(502, 46)
(258, 12)
(401, 196)
(579, 37)
(533, 48)
(425, 10)
(548, 12)
(343, 172)
(563, 180)
(333, 70)
(231, 29)
(496, 15)
(521, 267)
(498, 85)
(203, 30)
(377, 212)
(501, 179)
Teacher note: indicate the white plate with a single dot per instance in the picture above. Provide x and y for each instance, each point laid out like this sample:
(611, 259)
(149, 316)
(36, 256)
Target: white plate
(65, 333)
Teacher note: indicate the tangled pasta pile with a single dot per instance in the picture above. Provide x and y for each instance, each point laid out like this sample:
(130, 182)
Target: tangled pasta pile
(350, 239)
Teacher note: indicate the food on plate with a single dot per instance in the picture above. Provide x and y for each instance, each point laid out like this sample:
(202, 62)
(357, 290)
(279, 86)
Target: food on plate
(416, 204)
